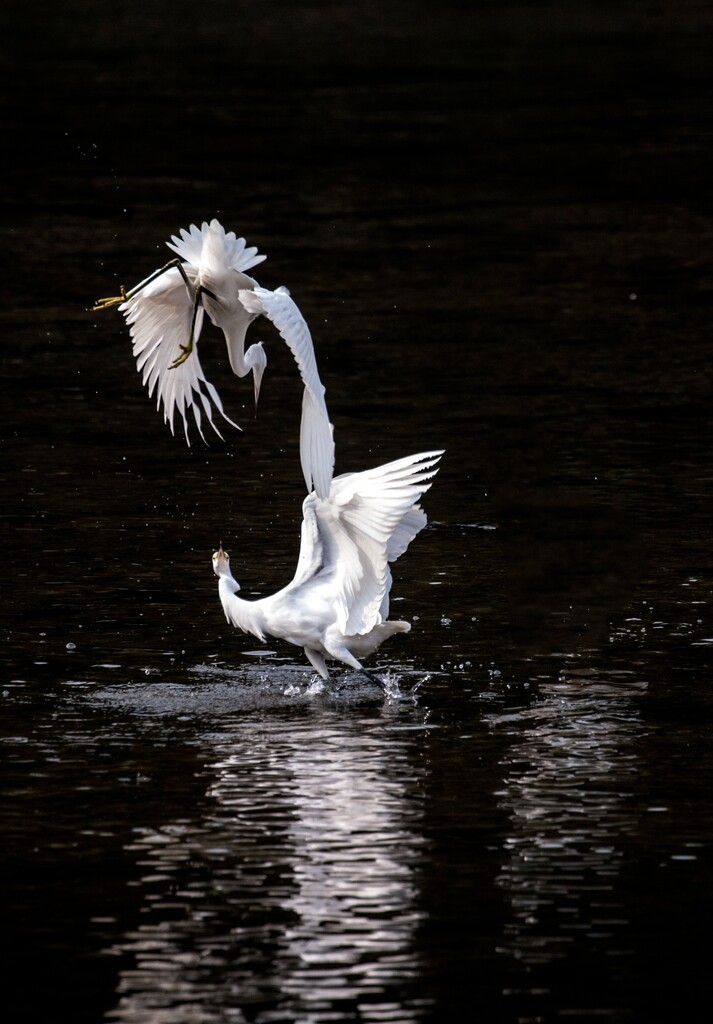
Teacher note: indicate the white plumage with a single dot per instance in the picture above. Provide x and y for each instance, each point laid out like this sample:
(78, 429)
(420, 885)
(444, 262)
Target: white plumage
(354, 525)
(337, 604)
(316, 432)
(165, 313)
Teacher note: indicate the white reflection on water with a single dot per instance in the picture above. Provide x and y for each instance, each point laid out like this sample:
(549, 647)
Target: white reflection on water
(567, 785)
(292, 895)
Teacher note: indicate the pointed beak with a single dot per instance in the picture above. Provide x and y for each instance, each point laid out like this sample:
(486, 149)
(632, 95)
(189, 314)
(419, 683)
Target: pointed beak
(257, 381)
(220, 561)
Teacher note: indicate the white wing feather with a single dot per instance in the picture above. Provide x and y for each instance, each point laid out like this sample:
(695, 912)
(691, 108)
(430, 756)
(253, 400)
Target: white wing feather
(368, 521)
(316, 432)
(311, 558)
(189, 246)
(159, 318)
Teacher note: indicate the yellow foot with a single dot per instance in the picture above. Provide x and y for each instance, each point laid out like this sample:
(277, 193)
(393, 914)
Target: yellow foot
(112, 300)
(185, 352)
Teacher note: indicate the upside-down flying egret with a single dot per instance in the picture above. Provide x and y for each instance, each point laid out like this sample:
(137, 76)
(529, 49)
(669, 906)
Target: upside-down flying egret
(165, 314)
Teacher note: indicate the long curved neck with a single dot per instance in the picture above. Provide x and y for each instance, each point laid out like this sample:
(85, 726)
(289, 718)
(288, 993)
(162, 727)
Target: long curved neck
(231, 316)
(243, 614)
(235, 333)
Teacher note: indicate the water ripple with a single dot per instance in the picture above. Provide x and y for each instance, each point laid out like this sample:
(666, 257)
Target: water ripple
(567, 785)
(297, 885)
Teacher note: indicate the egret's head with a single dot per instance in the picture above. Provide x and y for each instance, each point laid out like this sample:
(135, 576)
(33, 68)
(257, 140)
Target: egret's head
(221, 562)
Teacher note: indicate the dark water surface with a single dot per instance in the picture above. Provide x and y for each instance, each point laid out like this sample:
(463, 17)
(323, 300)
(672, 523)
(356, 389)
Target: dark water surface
(497, 221)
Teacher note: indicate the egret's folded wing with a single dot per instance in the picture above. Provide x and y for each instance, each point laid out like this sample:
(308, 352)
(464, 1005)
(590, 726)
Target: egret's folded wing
(316, 432)
(159, 317)
(376, 516)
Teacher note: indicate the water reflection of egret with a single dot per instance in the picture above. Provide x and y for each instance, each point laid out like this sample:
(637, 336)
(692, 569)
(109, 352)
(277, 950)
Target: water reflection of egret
(295, 893)
(354, 850)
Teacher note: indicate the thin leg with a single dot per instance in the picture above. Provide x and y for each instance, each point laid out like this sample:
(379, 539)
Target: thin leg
(374, 679)
(115, 300)
(317, 660)
(338, 650)
(187, 349)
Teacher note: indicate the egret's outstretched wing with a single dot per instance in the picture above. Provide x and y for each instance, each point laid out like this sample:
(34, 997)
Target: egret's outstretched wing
(368, 521)
(316, 432)
(159, 316)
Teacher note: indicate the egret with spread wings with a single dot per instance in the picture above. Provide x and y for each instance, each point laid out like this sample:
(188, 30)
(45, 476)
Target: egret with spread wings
(337, 605)
(165, 313)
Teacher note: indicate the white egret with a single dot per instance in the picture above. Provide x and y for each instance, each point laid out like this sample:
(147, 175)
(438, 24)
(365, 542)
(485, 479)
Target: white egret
(337, 605)
(165, 313)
